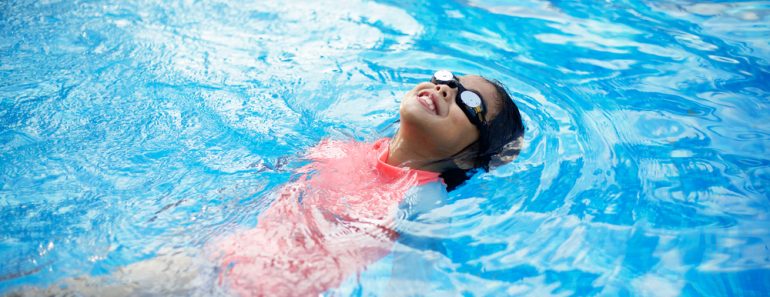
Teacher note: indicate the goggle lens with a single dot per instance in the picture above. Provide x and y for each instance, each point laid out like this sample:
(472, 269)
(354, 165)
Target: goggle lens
(470, 99)
(443, 75)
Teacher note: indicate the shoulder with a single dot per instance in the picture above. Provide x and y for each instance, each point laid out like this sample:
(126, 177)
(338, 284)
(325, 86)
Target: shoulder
(424, 198)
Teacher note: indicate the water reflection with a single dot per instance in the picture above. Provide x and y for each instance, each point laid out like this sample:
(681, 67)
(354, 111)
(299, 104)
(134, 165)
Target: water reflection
(132, 127)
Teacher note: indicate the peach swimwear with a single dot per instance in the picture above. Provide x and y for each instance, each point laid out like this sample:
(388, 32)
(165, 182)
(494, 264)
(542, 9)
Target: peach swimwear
(338, 217)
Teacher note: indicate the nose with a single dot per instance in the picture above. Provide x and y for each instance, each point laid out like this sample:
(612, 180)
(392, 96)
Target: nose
(445, 92)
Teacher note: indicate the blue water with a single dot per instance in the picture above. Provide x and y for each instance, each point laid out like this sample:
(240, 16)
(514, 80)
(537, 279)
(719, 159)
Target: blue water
(130, 127)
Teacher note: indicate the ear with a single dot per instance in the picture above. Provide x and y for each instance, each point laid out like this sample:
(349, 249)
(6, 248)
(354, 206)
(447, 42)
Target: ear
(466, 159)
(464, 163)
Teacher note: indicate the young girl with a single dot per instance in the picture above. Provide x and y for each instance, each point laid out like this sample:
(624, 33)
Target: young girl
(340, 216)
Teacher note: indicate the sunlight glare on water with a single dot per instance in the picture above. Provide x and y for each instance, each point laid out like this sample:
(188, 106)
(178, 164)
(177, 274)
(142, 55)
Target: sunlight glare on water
(130, 128)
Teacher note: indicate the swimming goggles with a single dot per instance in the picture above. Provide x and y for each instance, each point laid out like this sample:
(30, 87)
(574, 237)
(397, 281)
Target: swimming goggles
(469, 101)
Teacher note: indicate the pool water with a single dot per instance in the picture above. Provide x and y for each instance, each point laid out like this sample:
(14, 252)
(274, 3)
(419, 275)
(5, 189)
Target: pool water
(132, 127)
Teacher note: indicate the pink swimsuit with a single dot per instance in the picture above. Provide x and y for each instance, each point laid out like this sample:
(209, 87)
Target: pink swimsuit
(334, 220)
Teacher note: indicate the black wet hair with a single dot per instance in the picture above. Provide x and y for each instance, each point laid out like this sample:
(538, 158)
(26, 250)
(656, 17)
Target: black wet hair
(505, 128)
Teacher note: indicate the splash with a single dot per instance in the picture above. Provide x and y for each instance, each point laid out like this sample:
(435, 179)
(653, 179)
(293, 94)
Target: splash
(328, 225)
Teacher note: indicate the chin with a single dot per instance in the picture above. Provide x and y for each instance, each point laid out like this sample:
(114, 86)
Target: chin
(414, 117)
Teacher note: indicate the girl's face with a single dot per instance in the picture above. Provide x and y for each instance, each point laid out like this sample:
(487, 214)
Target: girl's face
(436, 123)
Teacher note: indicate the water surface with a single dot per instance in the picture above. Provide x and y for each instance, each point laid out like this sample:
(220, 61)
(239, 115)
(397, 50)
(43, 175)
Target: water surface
(131, 127)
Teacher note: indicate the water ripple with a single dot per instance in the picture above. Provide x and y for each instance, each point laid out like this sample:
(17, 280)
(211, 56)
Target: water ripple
(131, 128)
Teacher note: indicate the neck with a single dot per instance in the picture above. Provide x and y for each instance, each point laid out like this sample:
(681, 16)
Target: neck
(405, 151)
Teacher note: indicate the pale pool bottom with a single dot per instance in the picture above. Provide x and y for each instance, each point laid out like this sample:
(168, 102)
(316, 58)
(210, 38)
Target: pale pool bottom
(176, 273)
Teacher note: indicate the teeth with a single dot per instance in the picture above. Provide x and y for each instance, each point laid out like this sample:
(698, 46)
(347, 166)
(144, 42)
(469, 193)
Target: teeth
(429, 102)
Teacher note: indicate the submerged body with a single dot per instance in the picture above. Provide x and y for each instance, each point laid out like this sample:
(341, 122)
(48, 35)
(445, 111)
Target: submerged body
(338, 217)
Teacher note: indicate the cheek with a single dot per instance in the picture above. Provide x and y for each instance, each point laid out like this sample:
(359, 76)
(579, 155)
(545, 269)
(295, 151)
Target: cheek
(461, 122)
(459, 131)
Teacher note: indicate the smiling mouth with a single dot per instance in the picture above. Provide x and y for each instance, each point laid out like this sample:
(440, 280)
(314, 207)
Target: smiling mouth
(428, 100)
